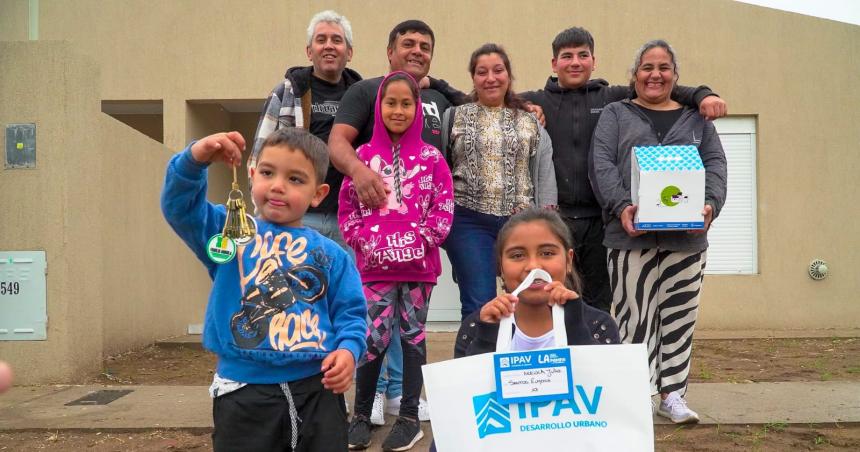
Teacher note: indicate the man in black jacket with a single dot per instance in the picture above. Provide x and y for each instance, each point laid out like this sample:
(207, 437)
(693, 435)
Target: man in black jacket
(572, 103)
(309, 97)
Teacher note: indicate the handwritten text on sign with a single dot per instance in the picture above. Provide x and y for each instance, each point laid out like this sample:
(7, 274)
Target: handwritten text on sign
(533, 376)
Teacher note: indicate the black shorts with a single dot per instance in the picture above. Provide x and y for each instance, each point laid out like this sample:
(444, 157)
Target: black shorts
(257, 418)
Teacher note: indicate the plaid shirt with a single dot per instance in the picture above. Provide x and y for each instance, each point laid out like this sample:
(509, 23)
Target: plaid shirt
(287, 106)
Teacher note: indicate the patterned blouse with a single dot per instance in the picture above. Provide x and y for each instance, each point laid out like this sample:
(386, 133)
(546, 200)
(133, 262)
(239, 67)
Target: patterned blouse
(490, 151)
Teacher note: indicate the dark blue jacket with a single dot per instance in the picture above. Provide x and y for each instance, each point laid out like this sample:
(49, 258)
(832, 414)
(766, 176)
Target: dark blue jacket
(585, 326)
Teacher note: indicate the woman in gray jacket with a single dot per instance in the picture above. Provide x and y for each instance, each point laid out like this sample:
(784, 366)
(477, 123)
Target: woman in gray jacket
(501, 162)
(656, 277)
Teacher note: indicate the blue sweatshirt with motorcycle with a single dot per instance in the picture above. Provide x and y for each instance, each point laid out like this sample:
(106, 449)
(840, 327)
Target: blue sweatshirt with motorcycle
(286, 300)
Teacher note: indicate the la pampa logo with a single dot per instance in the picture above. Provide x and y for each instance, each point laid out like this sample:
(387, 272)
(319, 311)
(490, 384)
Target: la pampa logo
(492, 417)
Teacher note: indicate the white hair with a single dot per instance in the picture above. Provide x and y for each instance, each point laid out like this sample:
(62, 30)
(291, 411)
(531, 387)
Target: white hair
(331, 17)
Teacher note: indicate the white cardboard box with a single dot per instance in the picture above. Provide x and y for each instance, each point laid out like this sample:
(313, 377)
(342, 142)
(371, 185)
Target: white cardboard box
(668, 185)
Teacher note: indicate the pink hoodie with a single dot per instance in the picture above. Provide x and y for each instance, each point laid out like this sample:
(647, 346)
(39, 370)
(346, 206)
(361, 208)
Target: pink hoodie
(400, 241)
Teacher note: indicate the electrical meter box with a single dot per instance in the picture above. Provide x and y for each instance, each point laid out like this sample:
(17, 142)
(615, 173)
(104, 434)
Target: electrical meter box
(23, 296)
(20, 146)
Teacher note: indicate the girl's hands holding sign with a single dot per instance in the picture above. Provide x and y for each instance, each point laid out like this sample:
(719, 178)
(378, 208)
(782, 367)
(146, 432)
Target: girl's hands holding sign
(502, 306)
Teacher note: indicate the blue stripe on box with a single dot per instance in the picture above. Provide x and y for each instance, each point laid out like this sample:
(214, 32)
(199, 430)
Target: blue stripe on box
(669, 226)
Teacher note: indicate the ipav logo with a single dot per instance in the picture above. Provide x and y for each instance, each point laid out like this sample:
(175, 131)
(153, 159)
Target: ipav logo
(491, 416)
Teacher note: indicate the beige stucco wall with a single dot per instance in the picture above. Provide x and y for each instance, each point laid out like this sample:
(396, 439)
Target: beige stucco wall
(53, 206)
(151, 288)
(798, 75)
(116, 279)
(14, 20)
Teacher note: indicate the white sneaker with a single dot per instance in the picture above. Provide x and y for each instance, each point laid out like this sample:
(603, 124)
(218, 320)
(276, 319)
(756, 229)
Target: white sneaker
(392, 406)
(674, 408)
(423, 410)
(377, 416)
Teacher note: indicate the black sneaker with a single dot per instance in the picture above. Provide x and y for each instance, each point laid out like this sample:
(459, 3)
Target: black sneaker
(359, 432)
(405, 433)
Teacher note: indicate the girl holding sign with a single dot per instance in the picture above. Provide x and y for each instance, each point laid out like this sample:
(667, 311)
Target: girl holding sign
(535, 239)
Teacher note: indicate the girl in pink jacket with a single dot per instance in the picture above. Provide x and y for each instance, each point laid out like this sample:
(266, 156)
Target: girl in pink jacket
(397, 249)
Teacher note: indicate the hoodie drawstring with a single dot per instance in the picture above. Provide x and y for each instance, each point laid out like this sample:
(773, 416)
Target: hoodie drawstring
(294, 415)
(395, 151)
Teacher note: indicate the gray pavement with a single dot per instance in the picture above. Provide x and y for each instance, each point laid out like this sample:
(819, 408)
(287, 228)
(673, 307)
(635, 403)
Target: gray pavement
(152, 407)
(189, 407)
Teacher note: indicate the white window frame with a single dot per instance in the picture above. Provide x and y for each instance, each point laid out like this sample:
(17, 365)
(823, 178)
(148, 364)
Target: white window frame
(739, 125)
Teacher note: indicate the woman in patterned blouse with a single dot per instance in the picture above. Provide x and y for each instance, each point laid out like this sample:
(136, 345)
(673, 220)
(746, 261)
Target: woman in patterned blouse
(501, 162)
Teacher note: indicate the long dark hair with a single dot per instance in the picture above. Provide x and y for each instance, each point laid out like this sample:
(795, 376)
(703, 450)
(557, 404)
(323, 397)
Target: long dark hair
(558, 228)
(512, 100)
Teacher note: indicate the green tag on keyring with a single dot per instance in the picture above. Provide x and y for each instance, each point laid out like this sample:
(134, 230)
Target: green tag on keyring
(220, 249)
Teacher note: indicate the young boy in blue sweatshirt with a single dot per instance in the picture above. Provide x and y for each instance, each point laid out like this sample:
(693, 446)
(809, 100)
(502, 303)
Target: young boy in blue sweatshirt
(286, 315)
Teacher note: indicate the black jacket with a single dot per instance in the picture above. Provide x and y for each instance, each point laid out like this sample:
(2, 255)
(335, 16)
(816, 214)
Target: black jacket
(299, 81)
(300, 76)
(571, 115)
(585, 326)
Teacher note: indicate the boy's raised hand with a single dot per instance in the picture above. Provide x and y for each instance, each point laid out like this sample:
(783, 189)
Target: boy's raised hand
(338, 368)
(559, 294)
(224, 146)
(501, 306)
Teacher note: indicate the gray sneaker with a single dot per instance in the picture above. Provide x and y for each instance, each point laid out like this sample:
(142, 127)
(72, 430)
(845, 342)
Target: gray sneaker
(359, 433)
(405, 433)
(674, 408)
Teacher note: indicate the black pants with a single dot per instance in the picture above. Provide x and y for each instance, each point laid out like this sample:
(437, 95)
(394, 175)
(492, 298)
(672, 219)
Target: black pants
(409, 302)
(590, 260)
(257, 418)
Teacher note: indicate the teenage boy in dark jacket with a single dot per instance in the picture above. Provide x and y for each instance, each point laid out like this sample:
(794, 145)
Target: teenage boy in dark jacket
(572, 103)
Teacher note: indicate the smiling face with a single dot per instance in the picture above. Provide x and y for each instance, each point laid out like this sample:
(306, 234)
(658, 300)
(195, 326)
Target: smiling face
(283, 185)
(328, 51)
(655, 77)
(491, 80)
(533, 245)
(397, 108)
(412, 53)
(573, 65)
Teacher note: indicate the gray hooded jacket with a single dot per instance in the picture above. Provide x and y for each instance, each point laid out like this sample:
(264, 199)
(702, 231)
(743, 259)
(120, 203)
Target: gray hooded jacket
(623, 126)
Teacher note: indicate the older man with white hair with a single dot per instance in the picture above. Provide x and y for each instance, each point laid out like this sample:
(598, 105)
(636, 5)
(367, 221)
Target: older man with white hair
(309, 97)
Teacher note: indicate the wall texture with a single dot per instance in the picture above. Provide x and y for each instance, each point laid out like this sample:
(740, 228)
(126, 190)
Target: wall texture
(117, 277)
(797, 75)
(152, 288)
(54, 207)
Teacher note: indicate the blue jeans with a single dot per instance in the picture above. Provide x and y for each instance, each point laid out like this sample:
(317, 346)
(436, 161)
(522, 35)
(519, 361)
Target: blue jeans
(326, 224)
(471, 250)
(391, 379)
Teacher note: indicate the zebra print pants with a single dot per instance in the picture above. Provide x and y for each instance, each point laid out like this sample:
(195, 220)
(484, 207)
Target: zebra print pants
(655, 298)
